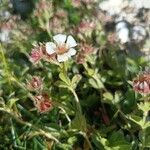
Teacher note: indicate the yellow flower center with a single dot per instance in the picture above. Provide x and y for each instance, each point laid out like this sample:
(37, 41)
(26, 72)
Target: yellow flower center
(62, 49)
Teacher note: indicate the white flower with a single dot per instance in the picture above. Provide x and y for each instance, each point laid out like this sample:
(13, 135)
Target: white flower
(63, 47)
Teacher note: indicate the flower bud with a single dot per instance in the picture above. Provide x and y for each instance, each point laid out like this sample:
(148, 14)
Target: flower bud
(35, 83)
(43, 103)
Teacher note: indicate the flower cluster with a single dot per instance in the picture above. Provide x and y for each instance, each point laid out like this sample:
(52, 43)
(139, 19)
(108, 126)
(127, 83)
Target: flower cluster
(60, 51)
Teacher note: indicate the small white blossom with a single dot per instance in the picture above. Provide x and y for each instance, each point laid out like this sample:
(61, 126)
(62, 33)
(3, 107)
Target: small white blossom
(63, 47)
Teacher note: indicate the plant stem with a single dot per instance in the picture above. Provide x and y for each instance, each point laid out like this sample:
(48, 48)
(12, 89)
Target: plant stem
(64, 71)
(42, 132)
(78, 106)
(66, 115)
(87, 140)
(77, 103)
(6, 68)
(143, 130)
(79, 111)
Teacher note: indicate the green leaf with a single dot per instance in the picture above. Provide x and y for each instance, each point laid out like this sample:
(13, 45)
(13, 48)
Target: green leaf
(96, 84)
(118, 142)
(72, 140)
(138, 120)
(64, 78)
(79, 124)
(93, 83)
(108, 96)
(75, 80)
(144, 106)
(147, 141)
(100, 142)
(12, 101)
(90, 72)
(61, 84)
(117, 96)
(122, 147)
(129, 102)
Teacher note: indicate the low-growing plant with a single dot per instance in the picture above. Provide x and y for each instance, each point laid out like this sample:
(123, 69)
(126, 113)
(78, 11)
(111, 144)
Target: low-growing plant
(66, 85)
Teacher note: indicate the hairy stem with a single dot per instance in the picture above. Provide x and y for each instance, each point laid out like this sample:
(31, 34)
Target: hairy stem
(144, 130)
(78, 106)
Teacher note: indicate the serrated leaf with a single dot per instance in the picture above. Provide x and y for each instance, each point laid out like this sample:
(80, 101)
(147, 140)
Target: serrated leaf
(108, 96)
(144, 106)
(90, 72)
(95, 84)
(61, 84)
(64, 78)
(75, 80)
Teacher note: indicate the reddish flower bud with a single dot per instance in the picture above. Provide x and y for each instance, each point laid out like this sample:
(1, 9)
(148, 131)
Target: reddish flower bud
(86, 49)
(86, 26)
(37, 53)
(35, 83)
(43, 103)
(80, 58)
(141, 84)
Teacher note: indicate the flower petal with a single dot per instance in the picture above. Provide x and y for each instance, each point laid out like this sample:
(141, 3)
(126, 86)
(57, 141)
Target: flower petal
(60, 38)
(71, 41)
(50, 48)
(72, 51)
(62, 58)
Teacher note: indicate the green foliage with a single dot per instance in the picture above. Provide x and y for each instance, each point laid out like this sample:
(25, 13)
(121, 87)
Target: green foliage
(93, 103)
(115, 141)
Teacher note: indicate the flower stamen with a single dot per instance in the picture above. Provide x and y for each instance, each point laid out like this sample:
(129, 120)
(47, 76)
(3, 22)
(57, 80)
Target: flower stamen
(61, 49)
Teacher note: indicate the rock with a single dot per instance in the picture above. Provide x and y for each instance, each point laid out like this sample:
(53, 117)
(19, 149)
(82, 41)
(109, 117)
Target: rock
(138, 33)
(122, 32)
